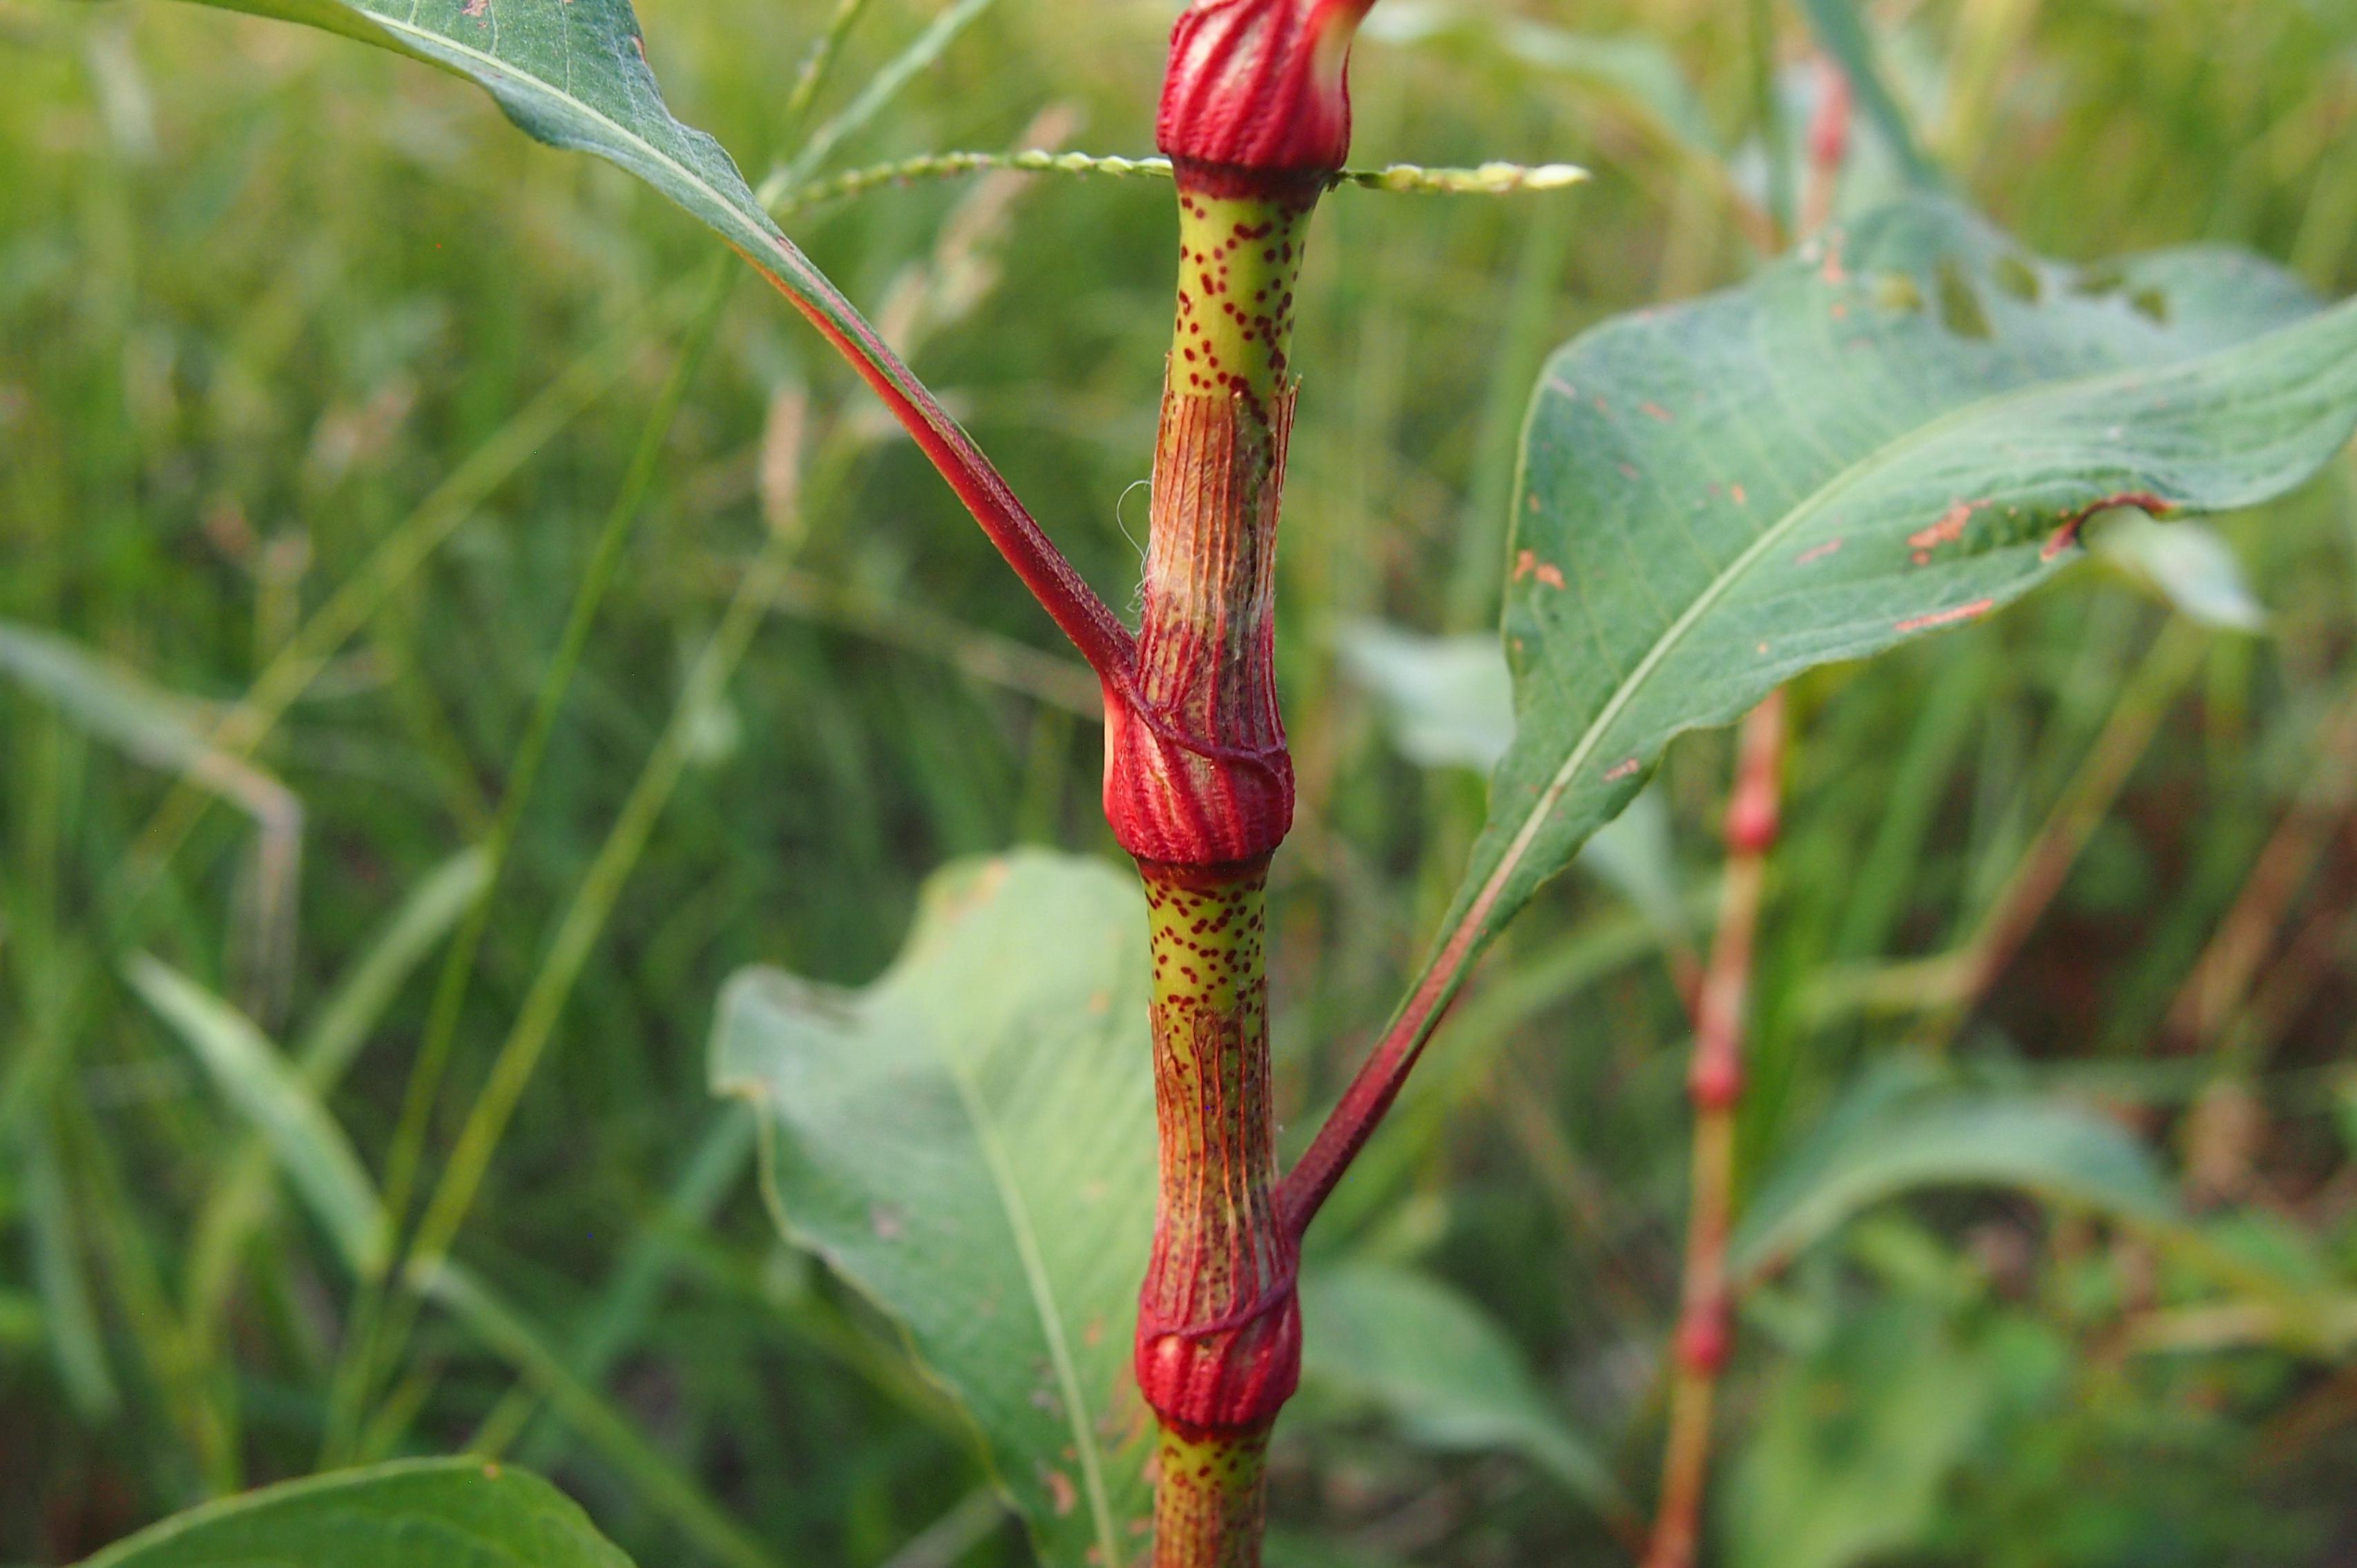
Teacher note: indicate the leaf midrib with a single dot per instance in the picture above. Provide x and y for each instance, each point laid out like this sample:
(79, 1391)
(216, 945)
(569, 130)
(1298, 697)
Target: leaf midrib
(1882, 457)
(768, 232)
(1043, 1303)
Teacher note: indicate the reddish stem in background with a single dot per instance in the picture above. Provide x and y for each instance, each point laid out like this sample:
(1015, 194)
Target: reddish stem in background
(1378, 1081)
(1828, 145)
(1705, 1319)
(1705, 1338)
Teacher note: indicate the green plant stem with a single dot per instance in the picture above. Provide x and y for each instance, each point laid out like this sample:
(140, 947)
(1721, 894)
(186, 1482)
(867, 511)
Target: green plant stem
(818, 65)
(1210, 1499)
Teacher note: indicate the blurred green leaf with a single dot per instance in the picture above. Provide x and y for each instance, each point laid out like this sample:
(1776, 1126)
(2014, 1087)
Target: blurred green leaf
(1433, 1362)
(1448, 701)
(241, 1193)
(1880, 437)
(152, 725)
(255, 1077)
(970, 1142)
(2186, 563)
(1899, 1131)
(168, 732)
(77, 1341)
(336, 1032)
(654, 1474)
(1855, 1443)
(1636, 67)
(433, 1513)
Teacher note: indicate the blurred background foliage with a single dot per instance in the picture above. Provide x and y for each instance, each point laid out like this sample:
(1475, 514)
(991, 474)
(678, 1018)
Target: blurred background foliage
(268, 300)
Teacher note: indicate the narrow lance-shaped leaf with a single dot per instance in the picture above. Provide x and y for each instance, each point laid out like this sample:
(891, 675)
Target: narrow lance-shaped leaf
(1897, 431)
(1902, 1130)
(256, 1078)
(574, 73)
(970, 1142)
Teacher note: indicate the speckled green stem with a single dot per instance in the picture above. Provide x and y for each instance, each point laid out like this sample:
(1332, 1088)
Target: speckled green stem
(1239, 264)
(1210, 1499)
(1200, 789)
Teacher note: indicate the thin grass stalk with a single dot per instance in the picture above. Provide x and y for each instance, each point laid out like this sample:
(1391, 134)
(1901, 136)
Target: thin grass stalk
(582, 924)
(524, 771)
(397, 558)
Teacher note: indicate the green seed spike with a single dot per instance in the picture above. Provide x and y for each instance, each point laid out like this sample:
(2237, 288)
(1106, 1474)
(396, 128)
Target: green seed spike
(1488, 179)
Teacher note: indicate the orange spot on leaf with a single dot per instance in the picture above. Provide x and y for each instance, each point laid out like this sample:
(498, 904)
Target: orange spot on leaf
(1947, 531)
(1973, 611)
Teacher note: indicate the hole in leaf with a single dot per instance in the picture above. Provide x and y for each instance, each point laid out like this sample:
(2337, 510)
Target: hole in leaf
(2103, 277)
(2153, 303)
(1897, 291)
(2018, 278)
(1960, 307)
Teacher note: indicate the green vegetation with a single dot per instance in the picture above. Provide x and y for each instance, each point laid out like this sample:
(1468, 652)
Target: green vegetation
(336, 421)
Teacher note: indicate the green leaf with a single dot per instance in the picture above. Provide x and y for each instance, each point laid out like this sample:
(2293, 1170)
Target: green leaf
(1889, 435)
(1634, 67)
(77, 1339)
(146, 722)
(970, 1142)
(1900, 1131)
(168, 732)
(1853, 1445)
(2186, 563)
(1446, 701)
(434, 1513)
(1435, 1363)
(242, 1192)
(254, 1077)
(574, 73)
(1449, 702)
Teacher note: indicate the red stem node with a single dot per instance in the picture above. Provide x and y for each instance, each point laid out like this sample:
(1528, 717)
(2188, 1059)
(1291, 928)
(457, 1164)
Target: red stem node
(1257, 100)
(1196, 768)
